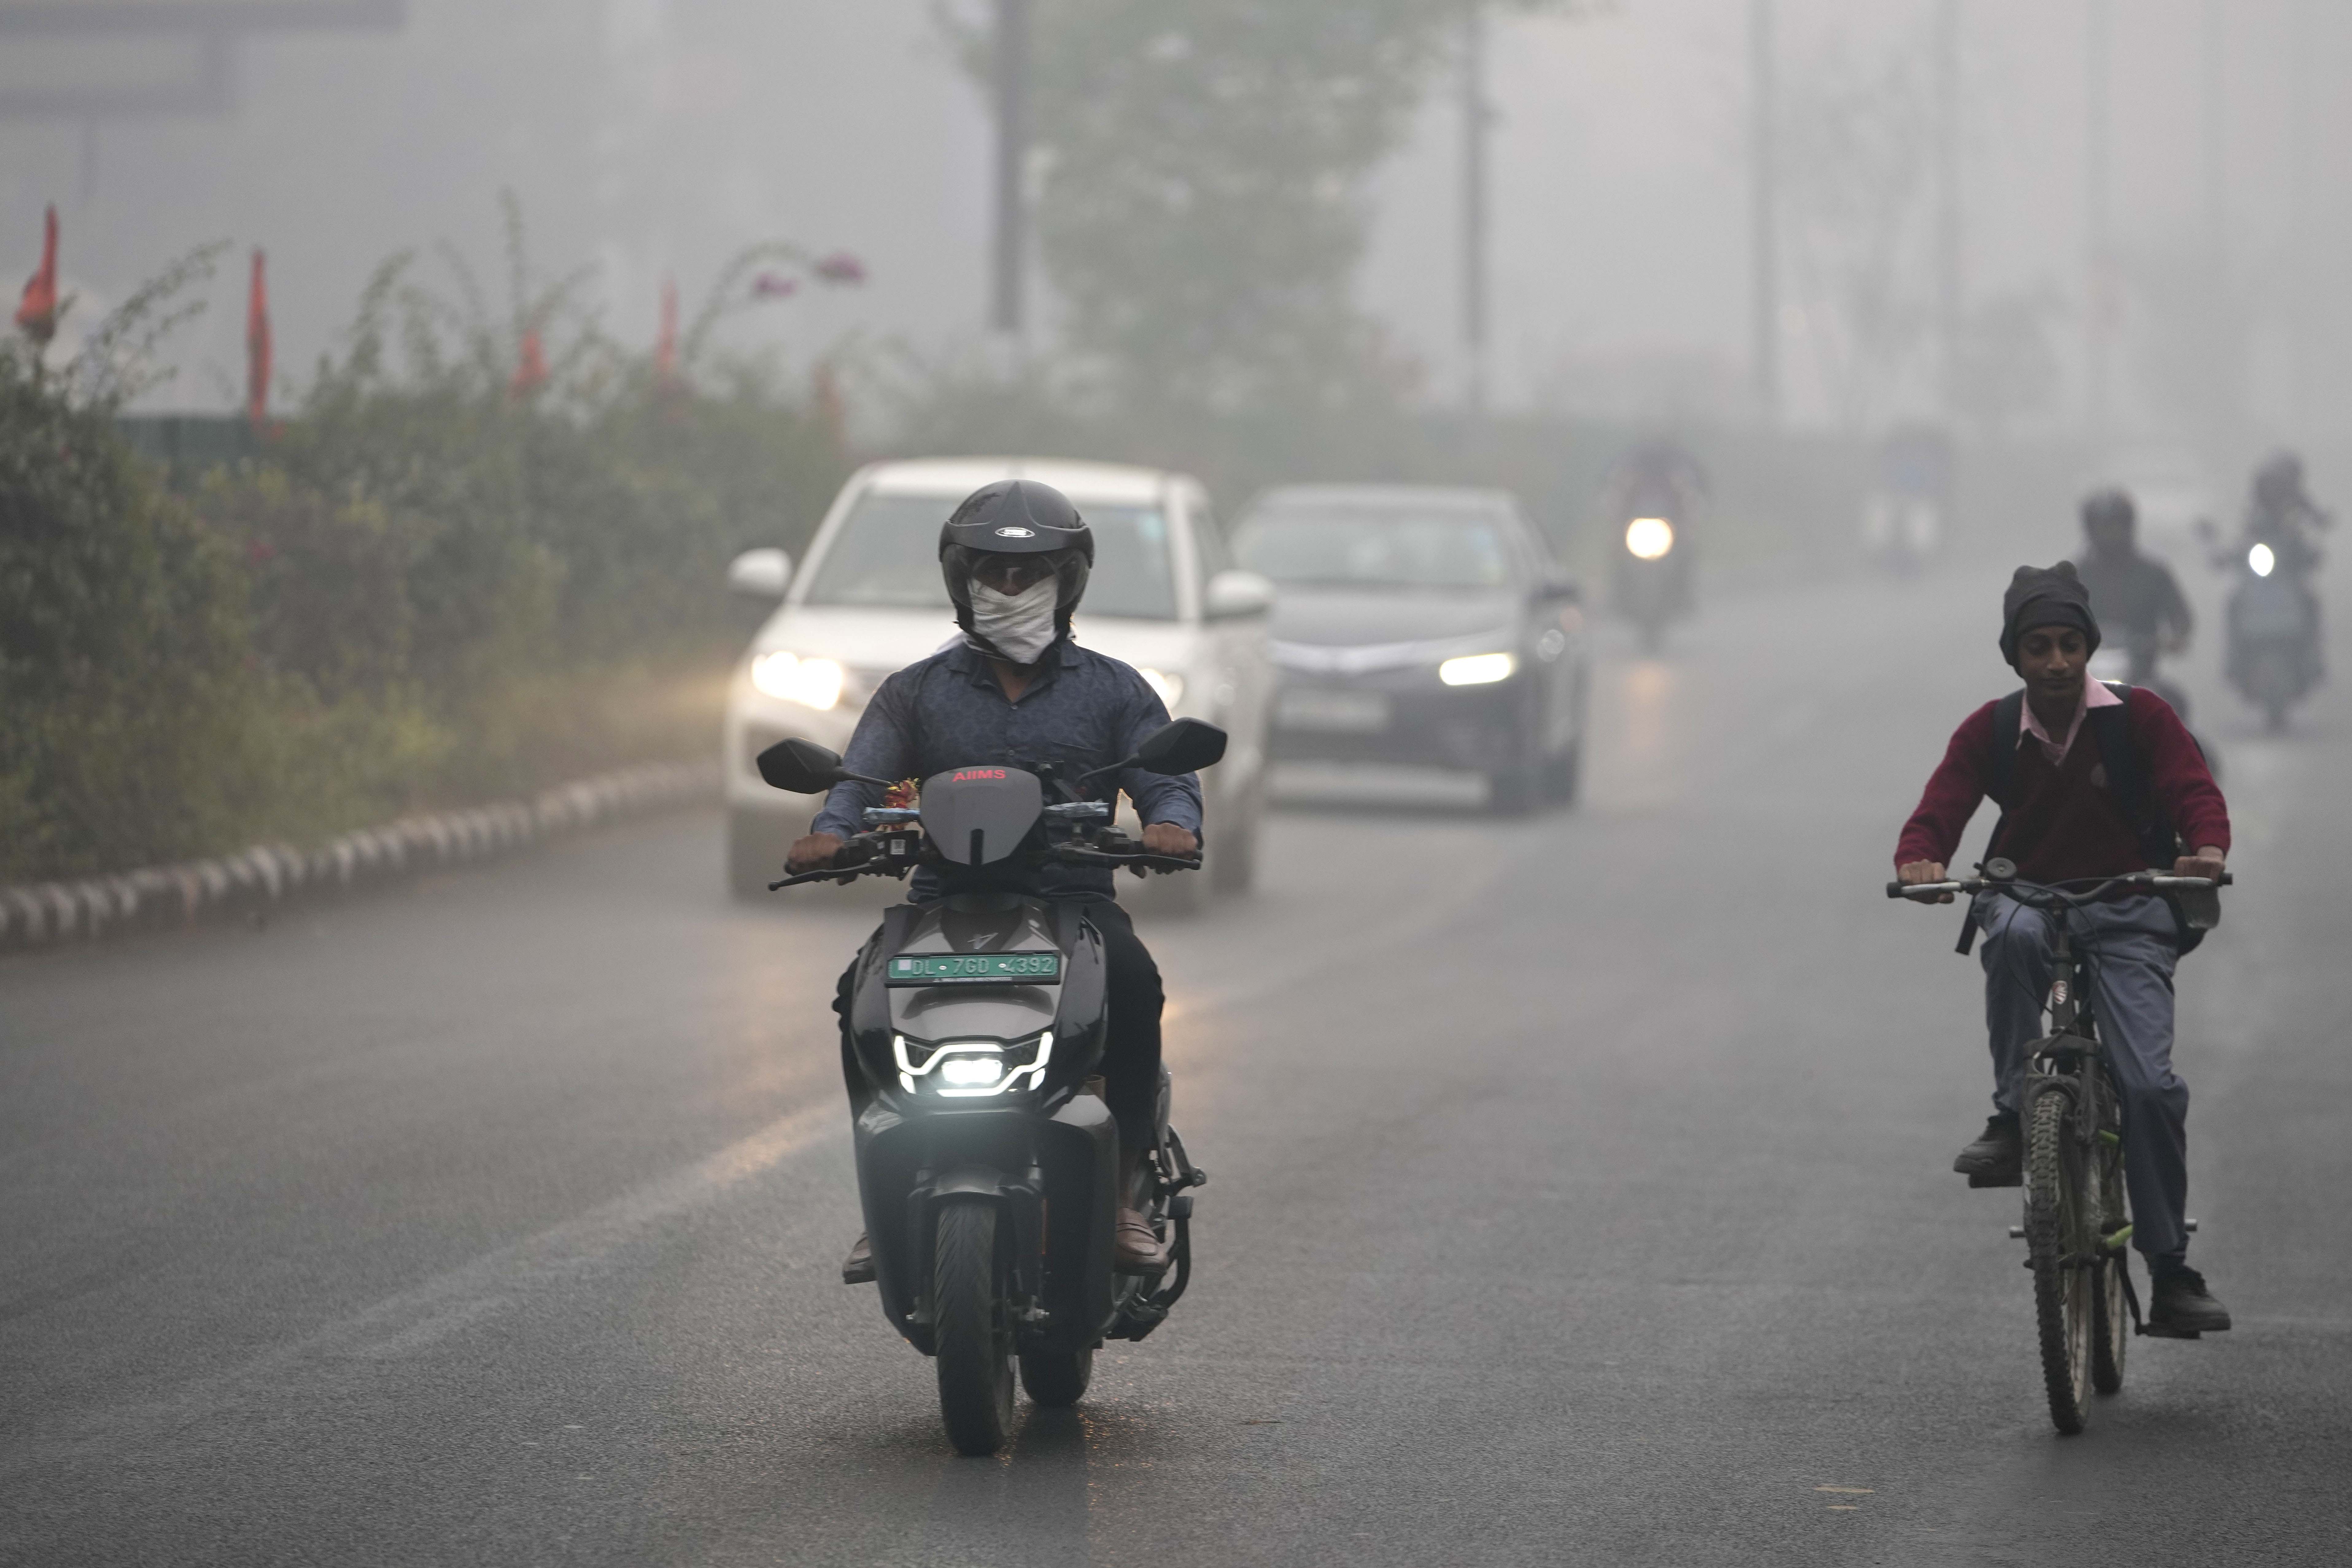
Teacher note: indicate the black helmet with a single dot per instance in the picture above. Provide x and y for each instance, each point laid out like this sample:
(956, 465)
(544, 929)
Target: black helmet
(2109, 507)
(1016, 517)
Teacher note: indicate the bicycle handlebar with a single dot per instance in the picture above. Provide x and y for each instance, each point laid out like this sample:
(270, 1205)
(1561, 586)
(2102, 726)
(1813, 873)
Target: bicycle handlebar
(1920, 892)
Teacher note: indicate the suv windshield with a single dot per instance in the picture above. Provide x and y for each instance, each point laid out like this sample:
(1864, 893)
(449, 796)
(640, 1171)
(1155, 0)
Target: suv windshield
(887, 556)
(1366, 547)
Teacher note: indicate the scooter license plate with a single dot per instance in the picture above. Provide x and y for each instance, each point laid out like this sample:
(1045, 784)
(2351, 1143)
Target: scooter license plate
(974, 969)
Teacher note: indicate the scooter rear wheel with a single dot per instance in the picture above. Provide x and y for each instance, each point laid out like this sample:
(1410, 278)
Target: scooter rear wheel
(973, 1332)
(1056, 1378)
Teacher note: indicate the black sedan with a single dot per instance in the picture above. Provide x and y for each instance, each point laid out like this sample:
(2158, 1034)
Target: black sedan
(1421, 626)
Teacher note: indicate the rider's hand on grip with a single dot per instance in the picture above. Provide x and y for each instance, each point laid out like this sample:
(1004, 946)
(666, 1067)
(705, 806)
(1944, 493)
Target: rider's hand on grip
(812, 852)
(1167, 839)
(1918, 871)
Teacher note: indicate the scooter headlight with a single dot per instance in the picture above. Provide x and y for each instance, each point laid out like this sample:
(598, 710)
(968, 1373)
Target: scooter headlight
(1649, 538)
(967, 1069)
(2262, 561)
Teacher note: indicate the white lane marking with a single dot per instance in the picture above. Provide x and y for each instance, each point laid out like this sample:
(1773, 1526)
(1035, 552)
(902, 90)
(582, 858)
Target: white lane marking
(411, 1320)
(408, 1322)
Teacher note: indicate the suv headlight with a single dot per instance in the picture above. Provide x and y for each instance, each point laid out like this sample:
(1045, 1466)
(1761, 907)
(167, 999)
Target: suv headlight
(811, 683)
(970, 1069)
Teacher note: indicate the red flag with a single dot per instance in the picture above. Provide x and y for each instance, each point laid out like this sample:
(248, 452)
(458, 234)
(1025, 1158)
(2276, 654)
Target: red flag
(666, 377)
(37, 313)
(257, 347)
(530, 365)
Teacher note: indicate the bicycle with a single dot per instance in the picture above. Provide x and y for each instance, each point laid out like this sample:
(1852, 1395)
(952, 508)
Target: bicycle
(2076, 1223)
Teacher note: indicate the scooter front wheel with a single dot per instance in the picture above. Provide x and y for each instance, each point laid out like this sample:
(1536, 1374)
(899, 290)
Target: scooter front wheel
(972, 1329)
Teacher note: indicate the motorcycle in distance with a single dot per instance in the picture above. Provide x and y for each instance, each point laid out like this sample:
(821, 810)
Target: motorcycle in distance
(1910, 496)
(2132, 656)
(2273, 649)
(987, 1161)
(1652, 583)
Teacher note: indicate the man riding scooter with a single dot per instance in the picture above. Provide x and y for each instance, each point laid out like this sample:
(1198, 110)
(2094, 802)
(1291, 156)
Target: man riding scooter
(1015, 691)
(2137, 600)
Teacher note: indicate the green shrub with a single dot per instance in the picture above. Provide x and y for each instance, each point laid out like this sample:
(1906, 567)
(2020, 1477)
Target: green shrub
(429, 590)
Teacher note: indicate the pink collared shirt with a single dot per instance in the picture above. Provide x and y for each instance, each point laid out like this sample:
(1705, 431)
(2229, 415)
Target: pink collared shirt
(2096, 694)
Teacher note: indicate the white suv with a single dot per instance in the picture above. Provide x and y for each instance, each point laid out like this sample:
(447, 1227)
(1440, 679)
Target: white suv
(1164, 595)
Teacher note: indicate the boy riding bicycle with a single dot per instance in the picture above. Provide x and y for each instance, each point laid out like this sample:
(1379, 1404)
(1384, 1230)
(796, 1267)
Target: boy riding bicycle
(2092, 780)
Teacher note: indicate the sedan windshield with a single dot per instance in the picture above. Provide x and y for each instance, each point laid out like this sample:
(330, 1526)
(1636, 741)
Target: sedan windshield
(887, 556)
(1366, 548)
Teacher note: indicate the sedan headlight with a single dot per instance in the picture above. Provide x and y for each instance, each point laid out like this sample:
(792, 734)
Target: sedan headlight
(1649, 538)
(970, 1069)
(811, 683)
(2262, 561)
(1170, 688)
(1478, 669)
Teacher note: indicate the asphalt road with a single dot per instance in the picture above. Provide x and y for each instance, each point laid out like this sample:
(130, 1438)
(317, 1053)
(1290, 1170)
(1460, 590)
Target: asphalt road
(1580, 1194)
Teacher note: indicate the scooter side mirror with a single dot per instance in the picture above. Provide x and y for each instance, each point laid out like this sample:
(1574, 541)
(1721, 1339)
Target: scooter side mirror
(803, 767)
(1181, 746)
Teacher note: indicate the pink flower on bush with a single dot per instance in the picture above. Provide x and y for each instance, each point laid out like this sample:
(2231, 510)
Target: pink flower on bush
(774, 286)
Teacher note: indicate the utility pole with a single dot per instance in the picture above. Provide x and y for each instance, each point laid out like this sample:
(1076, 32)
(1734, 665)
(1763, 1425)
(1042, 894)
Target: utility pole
(2096, 259)
(1475, 119)
(2300, 272)
(1947, 206)
(2222, 373)
(1764, 239)
(1012, 248)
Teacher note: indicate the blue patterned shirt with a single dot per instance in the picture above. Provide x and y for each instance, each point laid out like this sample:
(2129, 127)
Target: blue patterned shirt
(1082, 708)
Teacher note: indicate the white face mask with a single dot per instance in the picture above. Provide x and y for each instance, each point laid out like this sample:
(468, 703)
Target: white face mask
(1020, 626)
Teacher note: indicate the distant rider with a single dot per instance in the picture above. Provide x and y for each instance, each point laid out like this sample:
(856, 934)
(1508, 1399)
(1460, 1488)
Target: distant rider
(1016, 689)
(2061, 820)
(2281, 513)
(2135, 596)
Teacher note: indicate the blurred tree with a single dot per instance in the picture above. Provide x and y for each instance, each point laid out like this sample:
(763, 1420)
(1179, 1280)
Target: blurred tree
(1860, 151)
(1201, 210)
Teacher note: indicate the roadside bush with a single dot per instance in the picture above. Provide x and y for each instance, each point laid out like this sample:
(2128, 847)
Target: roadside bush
(128, 725)
(435, 587)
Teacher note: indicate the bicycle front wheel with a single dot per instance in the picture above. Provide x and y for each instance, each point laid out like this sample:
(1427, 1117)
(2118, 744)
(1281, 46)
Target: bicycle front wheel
(2062, 1249)
(2111, 1324)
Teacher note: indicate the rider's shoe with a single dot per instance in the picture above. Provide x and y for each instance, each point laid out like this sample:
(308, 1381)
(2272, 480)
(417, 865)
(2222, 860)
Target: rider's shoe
(2183, 1308)
(857, 1268)
(1997, 1159)
(1135, 1250)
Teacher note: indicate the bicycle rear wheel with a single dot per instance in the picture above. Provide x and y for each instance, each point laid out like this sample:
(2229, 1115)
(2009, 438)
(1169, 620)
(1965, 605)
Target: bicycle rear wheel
(2060, 1244)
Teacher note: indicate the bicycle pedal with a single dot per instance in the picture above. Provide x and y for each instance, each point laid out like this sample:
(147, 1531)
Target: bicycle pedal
(2158, 1331)
(1996, 1179)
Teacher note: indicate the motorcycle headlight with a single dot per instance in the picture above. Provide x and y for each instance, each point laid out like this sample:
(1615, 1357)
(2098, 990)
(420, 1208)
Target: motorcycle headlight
(1649, 538)
(2262, 561)
(1478, 668)
(811, 683)
(968, 1069)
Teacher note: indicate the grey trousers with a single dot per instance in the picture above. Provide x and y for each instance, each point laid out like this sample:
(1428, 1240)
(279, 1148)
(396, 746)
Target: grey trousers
(2133, 943)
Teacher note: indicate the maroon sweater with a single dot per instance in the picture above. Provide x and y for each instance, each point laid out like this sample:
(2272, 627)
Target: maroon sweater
(2063, 823)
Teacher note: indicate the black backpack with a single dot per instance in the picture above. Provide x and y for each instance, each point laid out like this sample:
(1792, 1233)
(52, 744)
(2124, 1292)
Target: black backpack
(2127, 781)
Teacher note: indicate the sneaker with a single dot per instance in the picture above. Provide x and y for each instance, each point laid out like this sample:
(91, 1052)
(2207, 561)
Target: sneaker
(1997, 1159)
(2183, 1308)
(857, 1268)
